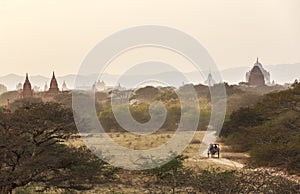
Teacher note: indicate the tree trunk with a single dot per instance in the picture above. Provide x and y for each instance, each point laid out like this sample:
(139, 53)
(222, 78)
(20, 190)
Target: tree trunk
(6, 189)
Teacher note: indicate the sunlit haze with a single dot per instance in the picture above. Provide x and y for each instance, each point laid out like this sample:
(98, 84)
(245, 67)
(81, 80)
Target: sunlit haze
(41, 36)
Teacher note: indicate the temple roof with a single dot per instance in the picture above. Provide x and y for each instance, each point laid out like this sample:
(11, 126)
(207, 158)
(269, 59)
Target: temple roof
(256, 76)
(27, 84)
(53, 83)
(27, 91)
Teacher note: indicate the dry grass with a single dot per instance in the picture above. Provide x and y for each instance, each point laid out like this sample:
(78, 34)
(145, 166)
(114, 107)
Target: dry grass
(143, 142)
(194, 161)
(129, 182)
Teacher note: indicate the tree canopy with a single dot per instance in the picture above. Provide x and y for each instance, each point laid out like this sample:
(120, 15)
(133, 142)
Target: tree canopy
(269, 130)
(33, 149)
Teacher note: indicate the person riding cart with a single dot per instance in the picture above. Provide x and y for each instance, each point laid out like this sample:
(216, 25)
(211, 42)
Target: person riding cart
(213, 149)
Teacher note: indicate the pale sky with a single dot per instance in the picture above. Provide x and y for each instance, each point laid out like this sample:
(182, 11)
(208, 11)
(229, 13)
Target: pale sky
(41, 36)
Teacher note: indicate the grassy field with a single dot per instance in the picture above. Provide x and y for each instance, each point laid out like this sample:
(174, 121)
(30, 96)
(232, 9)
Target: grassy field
(135, 182)
(144, 142)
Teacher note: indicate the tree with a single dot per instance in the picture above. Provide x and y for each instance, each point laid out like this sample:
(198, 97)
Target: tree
(243, 181)
(147, 93)
(33, 150)
(11, 95)
(172, 174)
(3, 88)
(166, 95)
(268, 131)
(28, 100)
(295, 84)
(244, 117)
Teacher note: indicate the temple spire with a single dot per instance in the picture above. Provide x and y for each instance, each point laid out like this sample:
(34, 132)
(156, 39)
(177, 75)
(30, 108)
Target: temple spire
(27, 91)
(53, 85)
(256, 59)
(210, 81)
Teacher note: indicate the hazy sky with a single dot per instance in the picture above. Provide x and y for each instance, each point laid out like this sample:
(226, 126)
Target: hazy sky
(41, 36)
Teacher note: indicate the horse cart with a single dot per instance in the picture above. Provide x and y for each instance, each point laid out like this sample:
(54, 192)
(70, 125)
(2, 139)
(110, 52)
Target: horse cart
(213, 150)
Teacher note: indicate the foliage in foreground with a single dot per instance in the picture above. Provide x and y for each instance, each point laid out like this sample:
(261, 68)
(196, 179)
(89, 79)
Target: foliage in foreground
(216, 181)
(174, 177)
(269, 131)
(32, 151)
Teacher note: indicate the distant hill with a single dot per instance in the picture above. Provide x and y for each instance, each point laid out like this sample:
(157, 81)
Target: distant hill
(282, 73)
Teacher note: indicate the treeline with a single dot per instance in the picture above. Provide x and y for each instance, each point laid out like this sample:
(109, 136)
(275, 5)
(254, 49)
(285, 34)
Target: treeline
(140, 112)
(269, 131)
(143, 97)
